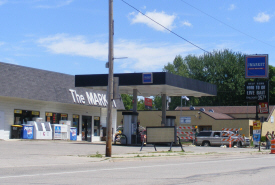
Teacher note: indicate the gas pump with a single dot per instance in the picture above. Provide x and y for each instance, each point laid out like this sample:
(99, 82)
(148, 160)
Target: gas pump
(130, 126)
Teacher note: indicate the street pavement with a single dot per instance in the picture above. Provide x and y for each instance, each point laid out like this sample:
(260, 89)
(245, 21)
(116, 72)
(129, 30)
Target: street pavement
(72, 162)
(33, 152)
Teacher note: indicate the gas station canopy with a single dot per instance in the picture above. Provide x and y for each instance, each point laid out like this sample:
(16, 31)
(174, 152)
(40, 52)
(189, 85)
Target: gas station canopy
(149, 84)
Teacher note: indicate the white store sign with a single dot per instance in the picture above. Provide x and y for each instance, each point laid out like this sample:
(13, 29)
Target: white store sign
(185, 120)
(96, 99)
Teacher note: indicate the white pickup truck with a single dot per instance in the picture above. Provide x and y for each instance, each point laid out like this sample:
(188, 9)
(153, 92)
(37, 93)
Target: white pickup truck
(218, 138)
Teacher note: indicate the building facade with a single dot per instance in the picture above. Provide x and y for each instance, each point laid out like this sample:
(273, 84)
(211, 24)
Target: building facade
(211, 118)
(27, 93)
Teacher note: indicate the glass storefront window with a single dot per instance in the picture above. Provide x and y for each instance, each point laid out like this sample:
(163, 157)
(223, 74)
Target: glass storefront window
(76, 122)
(96, 126)
(54, 118)
(23, 116)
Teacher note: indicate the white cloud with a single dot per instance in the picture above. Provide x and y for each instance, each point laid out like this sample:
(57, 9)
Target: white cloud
(2, 43)
(160, 17)
(262, 17)
(232, 7)
(57, 4)
(186, 23)
(77, 45)
(141, 57)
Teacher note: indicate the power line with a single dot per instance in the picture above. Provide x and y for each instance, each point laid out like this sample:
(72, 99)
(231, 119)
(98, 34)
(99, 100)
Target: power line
(165, 27)
(227, 24)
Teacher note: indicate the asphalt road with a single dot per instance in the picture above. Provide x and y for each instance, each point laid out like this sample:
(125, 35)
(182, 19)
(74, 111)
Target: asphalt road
(68, 163)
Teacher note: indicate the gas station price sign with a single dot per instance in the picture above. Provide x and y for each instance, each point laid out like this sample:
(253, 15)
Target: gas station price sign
(256, 91)
(256, 66)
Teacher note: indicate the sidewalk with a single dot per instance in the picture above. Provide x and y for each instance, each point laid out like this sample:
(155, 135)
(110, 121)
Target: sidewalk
(16, 153)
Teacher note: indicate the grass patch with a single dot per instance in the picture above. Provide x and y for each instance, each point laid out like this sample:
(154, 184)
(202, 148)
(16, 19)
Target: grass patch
(98, 155)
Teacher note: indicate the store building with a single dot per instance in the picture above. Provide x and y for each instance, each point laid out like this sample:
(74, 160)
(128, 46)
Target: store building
(27, 93)
(211, 118)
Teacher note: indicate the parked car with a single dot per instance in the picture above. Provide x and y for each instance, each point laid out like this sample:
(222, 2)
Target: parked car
(216, 138)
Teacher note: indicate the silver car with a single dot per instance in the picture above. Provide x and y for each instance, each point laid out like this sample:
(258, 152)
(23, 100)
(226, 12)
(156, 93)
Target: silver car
(218, 138)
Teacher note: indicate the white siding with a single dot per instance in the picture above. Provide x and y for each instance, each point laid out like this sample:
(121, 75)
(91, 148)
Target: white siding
(7, 105)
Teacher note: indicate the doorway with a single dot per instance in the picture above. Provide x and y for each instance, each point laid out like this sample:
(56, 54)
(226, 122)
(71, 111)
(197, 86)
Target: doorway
(87, 128)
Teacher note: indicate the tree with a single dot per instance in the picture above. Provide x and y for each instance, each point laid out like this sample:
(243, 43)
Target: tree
(271, 85)
(224, 68)
(128, 102)
(157, 103)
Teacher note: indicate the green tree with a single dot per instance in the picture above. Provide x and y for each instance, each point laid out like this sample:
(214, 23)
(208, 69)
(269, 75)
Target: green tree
(140, 105)
(157, 103)
(223, 68)
(271, 85)
(127, 101)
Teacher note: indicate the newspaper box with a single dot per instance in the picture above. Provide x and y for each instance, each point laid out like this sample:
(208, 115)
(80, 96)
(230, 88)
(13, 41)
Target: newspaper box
(60, 131)
(27, 132)
(41, 130)
(73, 135)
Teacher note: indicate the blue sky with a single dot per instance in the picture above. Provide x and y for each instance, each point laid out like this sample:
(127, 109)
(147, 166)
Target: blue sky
(71, 36)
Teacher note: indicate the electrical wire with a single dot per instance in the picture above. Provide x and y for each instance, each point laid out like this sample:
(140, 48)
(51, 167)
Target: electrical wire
(227, 24)
(166, 27)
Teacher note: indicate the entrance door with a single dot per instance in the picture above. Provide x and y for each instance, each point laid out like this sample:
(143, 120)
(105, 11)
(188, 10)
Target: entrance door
(87, 128)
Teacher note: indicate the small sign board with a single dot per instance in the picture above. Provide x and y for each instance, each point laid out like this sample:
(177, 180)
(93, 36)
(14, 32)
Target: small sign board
(256, 91)
(263, 108)
(185, 120)
(148, 103)
(147, 78)
(256, 132)
(256, 66)
(160, 134)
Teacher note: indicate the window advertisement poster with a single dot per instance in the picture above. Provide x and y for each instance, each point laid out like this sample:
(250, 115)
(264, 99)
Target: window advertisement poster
(185, 120)
(256, 132)
(256, 66)
(57, 132)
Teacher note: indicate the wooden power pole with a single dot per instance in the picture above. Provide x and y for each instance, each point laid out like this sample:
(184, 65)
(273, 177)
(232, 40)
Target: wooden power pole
(110, 82)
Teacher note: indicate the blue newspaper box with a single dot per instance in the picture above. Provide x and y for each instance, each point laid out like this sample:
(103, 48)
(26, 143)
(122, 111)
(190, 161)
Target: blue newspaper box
(27, 132)
(73, 135)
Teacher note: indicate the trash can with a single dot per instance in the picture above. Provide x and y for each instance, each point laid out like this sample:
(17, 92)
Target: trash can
(16, 131)
(27, 132)
(73, 135)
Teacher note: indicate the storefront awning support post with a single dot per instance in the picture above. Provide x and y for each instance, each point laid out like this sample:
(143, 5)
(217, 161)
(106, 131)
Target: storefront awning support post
(164, 104)
(110, 82)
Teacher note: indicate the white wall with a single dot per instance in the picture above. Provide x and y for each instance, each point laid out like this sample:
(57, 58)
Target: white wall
(7, 106)
(2, 121)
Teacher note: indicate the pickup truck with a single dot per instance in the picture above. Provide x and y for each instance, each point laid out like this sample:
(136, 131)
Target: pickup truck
(218, 138)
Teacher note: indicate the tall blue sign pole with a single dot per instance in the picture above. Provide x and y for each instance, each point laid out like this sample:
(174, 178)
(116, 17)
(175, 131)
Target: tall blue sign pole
(256, 66)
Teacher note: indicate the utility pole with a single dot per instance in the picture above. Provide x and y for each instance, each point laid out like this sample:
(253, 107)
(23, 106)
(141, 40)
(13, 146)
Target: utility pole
(110, 82)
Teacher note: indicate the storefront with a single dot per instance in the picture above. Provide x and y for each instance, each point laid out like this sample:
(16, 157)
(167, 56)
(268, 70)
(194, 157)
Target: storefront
(28, 93)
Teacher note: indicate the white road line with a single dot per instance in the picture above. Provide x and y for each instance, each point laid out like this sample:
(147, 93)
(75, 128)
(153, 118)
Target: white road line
(136, 167)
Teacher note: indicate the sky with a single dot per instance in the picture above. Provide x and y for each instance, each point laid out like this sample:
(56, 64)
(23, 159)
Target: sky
(71, 36)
